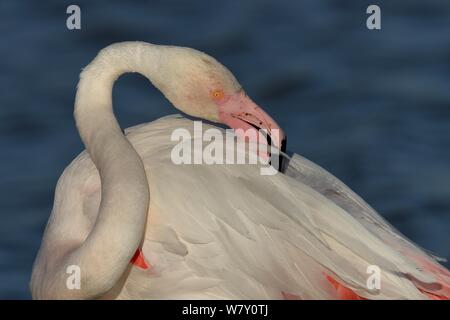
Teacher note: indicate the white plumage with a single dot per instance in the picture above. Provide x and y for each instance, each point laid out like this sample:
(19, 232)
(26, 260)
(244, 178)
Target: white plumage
(225, 231)
(209, 231)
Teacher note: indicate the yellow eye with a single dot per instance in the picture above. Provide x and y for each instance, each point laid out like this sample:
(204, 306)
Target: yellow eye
(217, 94)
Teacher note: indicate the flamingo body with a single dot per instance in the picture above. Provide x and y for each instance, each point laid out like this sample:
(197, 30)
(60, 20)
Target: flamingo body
(139, 226)
(245, 236)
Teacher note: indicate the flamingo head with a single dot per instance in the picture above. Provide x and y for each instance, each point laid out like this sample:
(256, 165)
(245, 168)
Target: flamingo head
(202, 87)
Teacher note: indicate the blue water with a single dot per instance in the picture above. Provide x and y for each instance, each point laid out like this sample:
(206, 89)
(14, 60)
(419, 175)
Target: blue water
(373, 107)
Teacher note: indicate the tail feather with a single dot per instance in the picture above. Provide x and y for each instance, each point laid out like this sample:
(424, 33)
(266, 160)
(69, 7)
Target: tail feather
(440, 289)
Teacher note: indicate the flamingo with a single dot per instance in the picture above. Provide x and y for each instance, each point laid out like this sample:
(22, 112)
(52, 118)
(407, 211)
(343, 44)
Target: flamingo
(138, 226)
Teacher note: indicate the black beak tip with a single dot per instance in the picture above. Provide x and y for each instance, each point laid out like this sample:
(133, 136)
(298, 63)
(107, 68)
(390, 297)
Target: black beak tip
(283, 162)
(284, 144)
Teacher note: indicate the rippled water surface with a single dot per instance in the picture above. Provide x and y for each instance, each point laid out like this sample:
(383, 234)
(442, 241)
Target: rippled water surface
(370, 106)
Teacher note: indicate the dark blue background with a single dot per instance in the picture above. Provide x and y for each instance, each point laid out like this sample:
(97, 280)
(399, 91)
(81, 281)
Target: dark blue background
(370, 106)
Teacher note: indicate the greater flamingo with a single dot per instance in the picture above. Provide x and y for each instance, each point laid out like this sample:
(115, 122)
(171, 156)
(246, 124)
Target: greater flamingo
(208, 231)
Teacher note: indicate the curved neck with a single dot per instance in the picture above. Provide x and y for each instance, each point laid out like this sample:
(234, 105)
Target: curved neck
(94, 115)
(124, 203)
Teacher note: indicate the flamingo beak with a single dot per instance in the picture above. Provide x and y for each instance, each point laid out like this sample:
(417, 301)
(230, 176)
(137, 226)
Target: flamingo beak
(240, 112)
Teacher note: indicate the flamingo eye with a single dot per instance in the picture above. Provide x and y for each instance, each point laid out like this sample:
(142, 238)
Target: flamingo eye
(217, 95)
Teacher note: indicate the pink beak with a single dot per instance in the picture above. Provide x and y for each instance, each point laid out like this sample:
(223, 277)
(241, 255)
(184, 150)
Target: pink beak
(240, 112)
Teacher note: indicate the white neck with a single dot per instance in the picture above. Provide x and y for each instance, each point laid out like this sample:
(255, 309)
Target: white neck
(93, 103)
(124, 204)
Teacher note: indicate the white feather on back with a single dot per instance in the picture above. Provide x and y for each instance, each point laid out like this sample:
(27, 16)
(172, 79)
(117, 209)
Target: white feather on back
(227, 232)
